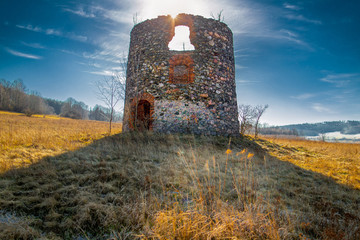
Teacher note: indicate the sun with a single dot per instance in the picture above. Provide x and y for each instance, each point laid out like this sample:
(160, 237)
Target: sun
(153, 8)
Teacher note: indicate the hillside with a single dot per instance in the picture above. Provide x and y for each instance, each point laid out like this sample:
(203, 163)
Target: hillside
(152, 186)
(15, 97)
(25, 140)
(314, 129)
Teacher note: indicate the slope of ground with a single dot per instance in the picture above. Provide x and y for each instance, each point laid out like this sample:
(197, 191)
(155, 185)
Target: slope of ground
(152, 186)
(341, 161)
(25, 140)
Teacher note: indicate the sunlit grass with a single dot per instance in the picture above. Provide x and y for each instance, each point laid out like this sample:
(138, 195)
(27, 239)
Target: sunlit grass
(25, 140)
(340, 161)
(158, 186)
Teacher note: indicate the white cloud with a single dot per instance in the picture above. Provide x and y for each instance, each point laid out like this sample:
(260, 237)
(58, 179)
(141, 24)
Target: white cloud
(238, 66)
(292, 7)
(321, 108)
(289, 33)
(21, 54)
(292, 37)
(33, 45)
(30, 28)
(80, 12)
(340, 80)
(53, 32)
(246, 82)
(304, 96)
(120, 16)
(70, 52)
(302, 19)
(245, 18)
(102, 73)
(258, 21)
(75, 37)
(283, 36)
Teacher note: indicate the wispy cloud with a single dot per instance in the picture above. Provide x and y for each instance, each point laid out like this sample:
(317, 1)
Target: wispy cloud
(53, 32)
(257, 21)
(292, 7)
(342, 79)
(284, 35)
(238, 66)
(304, 96)
(301, 18)
(119, 16)
(71, 53)
(112, 48)
(102, 73)
(21, 54)
(246, 82)
(33, 45)
(321, 108)
(30, 28)
(289, 33)
(293, 37)
(80, 12)
(75, 37)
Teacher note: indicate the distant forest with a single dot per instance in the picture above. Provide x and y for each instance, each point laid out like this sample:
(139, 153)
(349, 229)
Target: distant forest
(15, 97)
(314, 129)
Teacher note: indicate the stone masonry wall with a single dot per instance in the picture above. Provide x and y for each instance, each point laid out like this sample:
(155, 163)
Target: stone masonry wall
(190, 91)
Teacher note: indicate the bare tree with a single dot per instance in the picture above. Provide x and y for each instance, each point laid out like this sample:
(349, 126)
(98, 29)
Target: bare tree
(219, 17)
(136, 18)
(110, 90)
(246, 117)
(74, 109)
(323, 137)
(259, 110)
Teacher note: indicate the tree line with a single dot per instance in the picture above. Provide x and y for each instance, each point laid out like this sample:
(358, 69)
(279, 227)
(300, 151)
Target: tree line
(314, 129)
(15, 97)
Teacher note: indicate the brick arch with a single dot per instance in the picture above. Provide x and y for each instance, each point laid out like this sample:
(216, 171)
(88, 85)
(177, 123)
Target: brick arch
(183, 19)
(134, 106)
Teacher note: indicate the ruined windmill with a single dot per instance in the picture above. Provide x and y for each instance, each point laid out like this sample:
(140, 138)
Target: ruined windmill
(181, 91)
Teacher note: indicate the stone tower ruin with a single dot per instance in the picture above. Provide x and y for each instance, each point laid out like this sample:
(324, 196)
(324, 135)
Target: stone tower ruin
(181, 91)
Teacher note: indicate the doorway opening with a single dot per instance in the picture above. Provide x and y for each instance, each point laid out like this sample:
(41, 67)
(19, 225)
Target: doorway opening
(143, 115)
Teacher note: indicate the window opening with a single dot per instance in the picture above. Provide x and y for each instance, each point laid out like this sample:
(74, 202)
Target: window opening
(181, 39)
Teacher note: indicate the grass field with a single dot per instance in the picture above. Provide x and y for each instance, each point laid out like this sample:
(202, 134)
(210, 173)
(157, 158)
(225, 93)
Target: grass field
(341, 161)
(153, 186)
(25, 140)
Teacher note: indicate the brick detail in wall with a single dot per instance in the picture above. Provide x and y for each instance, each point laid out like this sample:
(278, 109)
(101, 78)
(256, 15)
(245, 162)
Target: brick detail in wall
(181, 70)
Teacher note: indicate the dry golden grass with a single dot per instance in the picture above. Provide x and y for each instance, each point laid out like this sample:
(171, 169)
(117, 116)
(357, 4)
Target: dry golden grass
(25, 140)
(340, 161)
(155, 186)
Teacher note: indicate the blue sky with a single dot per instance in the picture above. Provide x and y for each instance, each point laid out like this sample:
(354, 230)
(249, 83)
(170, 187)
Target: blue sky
(300, 57)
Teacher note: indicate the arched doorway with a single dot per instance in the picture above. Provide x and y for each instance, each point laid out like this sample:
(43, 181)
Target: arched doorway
(143, 115)
(141, 112)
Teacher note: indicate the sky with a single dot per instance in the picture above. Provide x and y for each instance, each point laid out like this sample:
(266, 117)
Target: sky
(300, 57)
